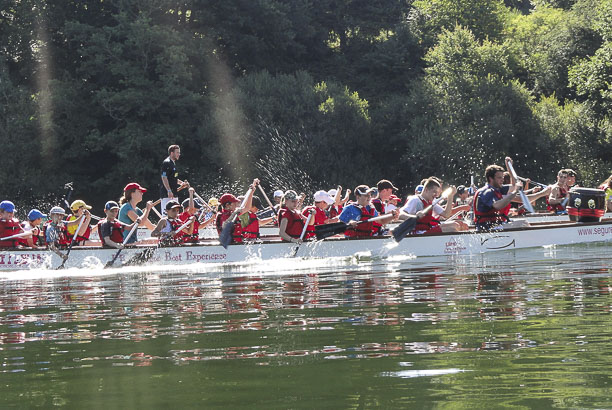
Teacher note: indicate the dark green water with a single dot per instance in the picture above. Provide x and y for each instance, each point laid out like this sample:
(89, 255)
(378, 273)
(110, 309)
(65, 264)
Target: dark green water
(524, 329)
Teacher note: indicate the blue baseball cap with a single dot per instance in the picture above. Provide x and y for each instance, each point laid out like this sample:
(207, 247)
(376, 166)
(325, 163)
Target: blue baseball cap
(7, 206)
(111, 205)
(34, 214)
(418, 189)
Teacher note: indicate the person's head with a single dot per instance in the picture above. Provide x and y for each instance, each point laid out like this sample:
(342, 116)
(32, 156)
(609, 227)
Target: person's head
(322, 199)
(494, 175)
(562, 177)
(385, 189)
(111, 209)
(363, 194)
(431, 189)
(35, 217)
(278, 196)
(78, 207)
(192, 210)
(290, 199)
(174, 152)
(56, 214)
(462, 192)
(7, 210)
(229, 202)
(132, 192)
(571, 176)
(213, 202)
(173, 209)
(255, 204)
(507, 179)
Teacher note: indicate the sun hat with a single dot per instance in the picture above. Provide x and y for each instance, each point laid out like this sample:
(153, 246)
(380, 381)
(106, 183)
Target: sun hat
(77, 204)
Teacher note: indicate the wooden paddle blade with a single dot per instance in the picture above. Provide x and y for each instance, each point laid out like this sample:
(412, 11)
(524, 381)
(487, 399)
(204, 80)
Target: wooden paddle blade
(327, 230)
(404, 228)
(225, 238)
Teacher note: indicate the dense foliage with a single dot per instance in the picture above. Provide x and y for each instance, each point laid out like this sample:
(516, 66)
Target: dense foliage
(302, 94)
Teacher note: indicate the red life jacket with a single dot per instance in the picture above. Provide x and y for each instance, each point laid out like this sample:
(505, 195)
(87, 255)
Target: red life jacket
(251, 231)
(236, 232)
(116, 230)
(320, 217)
(8, 228)
(195, 235)
(37, 239)
(295, 224)
(557, 207)
(485, 220)
(79, 238)
(427, 222)
(363, 229)
(379, 205)
(62, 233)
(335, 211)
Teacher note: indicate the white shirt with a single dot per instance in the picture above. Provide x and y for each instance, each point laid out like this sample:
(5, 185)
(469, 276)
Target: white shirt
(414, 205)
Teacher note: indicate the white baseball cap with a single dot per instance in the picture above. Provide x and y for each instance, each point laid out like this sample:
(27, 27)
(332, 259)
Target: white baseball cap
(278, 192)
(332, 192)
(323, 196)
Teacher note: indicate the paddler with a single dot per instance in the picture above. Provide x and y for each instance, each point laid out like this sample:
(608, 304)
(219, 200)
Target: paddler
(129, 211)
(430, 215)
(110, 229)
(559, 191)
(55, 231)
(79, 209)
(191, 207)
(230, 209)
(322, 204)
(9, 225)
(290, 220)
(36, 239)
(492, 201)
(360, 211)
(166, 229)
(385, 190)
(250, 222)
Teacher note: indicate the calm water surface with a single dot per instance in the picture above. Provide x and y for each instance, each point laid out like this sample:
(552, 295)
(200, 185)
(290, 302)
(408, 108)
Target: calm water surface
(523, 329)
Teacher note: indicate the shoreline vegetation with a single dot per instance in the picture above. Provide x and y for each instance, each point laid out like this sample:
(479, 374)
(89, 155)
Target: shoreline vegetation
(302, 95)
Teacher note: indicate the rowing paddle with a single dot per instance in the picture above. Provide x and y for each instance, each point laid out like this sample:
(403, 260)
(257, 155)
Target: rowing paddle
(127, 238)
(541, 185)
(336, 228)
(409, 224)
(17, 235)
(297, 247)
(225, 238)
(76, 233)
(526, 203)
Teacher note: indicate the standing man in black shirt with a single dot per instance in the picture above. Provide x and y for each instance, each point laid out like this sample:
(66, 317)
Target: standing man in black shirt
(168, 190)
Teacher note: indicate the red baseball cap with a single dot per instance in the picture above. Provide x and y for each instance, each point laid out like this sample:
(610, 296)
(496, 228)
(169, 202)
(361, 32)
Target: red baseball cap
(134, 185)
(227, 198)
(394, 198)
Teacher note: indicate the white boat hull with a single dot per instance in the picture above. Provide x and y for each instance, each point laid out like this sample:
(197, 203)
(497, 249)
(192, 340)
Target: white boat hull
(413, 246)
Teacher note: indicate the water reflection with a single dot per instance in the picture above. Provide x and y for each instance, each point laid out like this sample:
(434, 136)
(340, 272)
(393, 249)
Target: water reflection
(446, 316)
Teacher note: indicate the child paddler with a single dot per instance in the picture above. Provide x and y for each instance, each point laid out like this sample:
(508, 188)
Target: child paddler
(290, 221)
(36, 240)
(110, 229)
(191, 207)
(55, 231)
(360, 211)
(166, 229)
(230, 208)
(9, 225)
(79, 208)
(250, 222)
(322, 205)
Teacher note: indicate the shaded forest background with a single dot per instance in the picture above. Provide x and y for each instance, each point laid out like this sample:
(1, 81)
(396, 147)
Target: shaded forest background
(302, 94)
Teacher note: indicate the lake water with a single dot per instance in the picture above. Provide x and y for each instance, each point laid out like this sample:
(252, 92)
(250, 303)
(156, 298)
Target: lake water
(521, 329)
